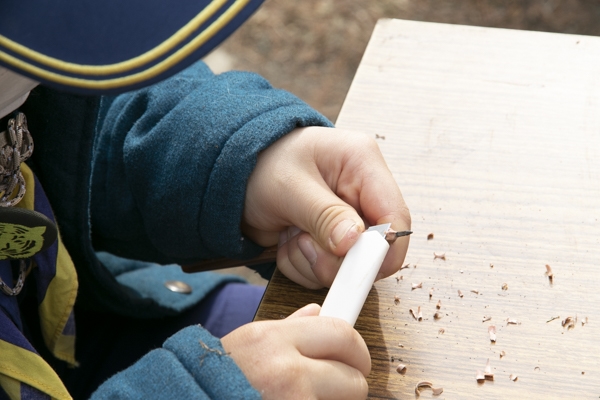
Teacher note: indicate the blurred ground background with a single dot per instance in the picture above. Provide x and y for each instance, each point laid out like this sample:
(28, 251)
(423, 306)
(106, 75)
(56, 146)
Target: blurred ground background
(313, 47)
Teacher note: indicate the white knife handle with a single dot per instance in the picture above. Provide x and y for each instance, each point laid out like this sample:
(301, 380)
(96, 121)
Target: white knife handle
(355, 277)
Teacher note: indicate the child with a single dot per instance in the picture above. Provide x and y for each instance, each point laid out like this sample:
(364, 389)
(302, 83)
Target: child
(172, 165)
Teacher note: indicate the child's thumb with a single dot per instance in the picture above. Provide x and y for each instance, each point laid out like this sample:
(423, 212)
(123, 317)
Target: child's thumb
(336, 229)
(334, 224)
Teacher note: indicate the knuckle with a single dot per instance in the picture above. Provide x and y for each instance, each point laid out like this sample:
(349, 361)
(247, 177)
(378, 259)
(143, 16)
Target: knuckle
(255, 332)
(360, 384)
(368, 144)
(405, 215)
(291, 375)
(343, 329)
(288, 366)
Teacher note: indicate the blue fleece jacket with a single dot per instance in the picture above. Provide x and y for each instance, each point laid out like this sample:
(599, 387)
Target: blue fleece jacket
(191, 365)
(172, 161)
(170, 167)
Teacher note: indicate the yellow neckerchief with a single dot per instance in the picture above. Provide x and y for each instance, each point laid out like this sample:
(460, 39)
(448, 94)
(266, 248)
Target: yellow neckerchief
(19, 365)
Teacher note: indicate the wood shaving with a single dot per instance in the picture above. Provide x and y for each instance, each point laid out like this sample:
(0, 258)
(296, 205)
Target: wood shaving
(512, 322)
(208, 349)
(504, 286)
(513, 377)
(417, 285)
(400, 345)
(479, 376)
(492, 332)
(584, 321)
(413, 313)
(396, 299)
(502, 353)
(460, 294)
(401, 369)
(430, 236)
(440, 256)
(426, 384)
(475, 291)
(549, 273)
(488, 367)
(442, 331)
(404, 266)
(438, 315)
(205, 347)
(379, 136)
(431, 293)
(419, 314)
(491, 265)
(569, 322)
(553, 318)
(486, 318)
(536, 369)
(488, 371)
(439, 304)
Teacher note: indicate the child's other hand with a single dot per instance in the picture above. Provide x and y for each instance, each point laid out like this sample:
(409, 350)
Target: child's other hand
(312, 191)
(302, 356)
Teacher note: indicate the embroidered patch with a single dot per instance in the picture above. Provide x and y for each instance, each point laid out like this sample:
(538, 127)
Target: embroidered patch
(24, 233)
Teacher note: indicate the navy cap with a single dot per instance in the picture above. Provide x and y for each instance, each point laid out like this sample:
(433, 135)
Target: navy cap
(112, 46)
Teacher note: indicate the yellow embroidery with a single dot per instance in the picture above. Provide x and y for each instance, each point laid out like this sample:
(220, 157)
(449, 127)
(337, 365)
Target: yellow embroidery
(18, 241)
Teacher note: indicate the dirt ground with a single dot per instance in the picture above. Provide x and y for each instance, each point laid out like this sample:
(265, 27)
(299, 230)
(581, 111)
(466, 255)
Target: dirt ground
(313, 47)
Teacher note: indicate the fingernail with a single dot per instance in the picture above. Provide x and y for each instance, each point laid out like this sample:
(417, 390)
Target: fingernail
(342, 230)
(293, 231)
(308, 250)
(283, 237)
(287, 234)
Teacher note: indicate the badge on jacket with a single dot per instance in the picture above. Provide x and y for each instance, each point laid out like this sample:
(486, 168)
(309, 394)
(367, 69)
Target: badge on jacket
(24, 233)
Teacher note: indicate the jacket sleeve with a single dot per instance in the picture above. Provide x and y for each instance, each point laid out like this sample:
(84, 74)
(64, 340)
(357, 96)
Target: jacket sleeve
(171, 163)
(191, 365)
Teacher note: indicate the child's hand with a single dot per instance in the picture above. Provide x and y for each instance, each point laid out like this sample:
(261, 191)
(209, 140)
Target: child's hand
(311, 191)
(302, 356)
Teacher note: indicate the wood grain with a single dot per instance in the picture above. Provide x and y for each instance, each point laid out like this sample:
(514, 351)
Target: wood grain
(494, 139)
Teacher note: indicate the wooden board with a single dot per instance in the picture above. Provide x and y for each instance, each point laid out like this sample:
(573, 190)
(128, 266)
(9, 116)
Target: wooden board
(494, 139)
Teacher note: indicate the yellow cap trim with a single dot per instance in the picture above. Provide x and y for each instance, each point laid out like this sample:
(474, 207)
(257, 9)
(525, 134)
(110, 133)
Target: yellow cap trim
(120, 67)
(147, 74)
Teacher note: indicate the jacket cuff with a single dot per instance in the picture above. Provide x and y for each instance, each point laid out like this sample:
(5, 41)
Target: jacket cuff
(191, 365)
(224, 198)
(205, 359)
(158, 375)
